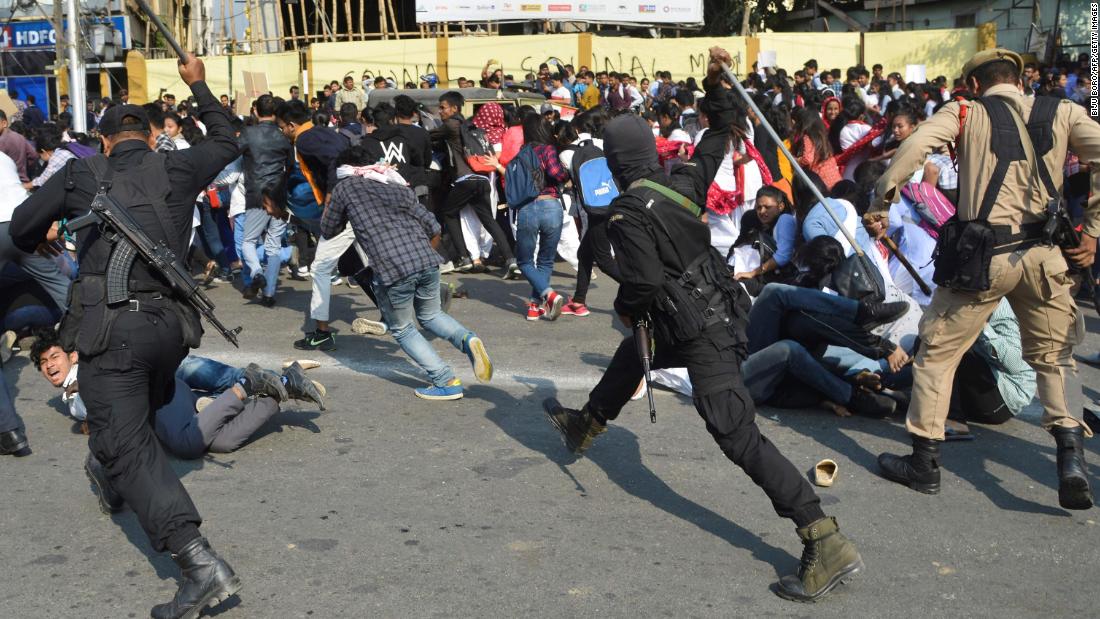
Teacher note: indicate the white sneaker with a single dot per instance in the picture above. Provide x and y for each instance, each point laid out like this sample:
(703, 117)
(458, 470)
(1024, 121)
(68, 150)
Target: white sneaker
(303, 271)
(362, 326)
(447, 267)
(7, 342)
(337, 280)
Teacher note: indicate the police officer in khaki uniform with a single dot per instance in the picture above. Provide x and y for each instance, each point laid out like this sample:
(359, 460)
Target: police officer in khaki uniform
(1031, 275)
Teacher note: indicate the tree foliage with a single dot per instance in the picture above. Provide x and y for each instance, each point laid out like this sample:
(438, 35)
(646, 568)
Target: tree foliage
(723, 17)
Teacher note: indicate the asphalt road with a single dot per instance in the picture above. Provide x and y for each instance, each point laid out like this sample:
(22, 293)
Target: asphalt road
(389, 506)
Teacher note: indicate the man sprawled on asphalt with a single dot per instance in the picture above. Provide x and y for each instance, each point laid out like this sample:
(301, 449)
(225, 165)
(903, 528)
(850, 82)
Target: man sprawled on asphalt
(244, 399)
(130, 349)
(400, 238)
(672, 276)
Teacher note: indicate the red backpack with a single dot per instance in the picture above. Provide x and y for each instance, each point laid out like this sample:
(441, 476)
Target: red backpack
(933, 207)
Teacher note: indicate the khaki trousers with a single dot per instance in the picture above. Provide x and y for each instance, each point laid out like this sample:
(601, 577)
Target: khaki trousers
(1037, 286)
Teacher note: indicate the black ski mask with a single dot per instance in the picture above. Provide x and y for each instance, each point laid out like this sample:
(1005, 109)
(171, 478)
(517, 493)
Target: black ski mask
(630, 148)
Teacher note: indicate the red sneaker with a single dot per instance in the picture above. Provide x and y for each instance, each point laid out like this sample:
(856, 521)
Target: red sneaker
(534, 312)
(553, 304)
(573, 308)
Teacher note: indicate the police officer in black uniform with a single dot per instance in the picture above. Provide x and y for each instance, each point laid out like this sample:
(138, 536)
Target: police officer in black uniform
(129, 350)
(671, 274)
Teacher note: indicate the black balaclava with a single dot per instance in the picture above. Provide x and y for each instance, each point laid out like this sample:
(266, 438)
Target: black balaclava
(630, 148)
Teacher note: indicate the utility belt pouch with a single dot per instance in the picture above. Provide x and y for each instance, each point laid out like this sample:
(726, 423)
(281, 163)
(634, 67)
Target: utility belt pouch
(677, 317)
(94, 327)
(70, 322)
(963, 254)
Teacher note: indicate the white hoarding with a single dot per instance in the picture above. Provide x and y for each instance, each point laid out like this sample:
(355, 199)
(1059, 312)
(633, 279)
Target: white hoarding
(687, 12)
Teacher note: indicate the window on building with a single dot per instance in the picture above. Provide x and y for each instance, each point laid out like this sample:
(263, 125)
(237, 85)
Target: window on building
(965, 21)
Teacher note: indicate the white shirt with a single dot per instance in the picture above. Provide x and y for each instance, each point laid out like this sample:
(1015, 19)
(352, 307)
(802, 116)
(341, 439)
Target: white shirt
(12, 193)
(566, 156)
(849, 135)
(562, 94)
(76, 405)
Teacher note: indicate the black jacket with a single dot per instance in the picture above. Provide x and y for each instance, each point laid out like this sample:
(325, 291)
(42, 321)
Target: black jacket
(448, 140)
(189, 171)
(268, 159)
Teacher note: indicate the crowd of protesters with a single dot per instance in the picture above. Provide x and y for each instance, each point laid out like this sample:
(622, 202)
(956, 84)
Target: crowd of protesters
(394, 195)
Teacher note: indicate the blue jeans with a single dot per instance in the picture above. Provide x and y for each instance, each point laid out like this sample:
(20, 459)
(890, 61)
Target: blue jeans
(9, 419)
(849, 363)
(775, 300)
(538, 223)
(764, 371)
(417, 297)
(257, 224)
(202, 374)
(211, 233)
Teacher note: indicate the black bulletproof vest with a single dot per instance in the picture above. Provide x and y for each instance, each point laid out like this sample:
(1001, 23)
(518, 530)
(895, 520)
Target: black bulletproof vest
(144, 191)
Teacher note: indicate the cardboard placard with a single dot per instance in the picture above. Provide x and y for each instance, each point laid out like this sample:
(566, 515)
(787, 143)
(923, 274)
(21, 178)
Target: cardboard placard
(915, 73)
(242, 104)
(766, 58)
(7, 104)
(255, 83)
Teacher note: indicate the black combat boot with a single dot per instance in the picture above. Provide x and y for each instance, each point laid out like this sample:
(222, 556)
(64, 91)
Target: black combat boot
(873, 314)
(578, 427)
(205, 580)
(1073, 481)
(109, 500)
(920, 471)
(14, 443)
(828, 558)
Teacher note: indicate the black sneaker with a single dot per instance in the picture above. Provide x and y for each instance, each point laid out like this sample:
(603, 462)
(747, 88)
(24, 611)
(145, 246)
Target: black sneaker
(301, 388)
(258, 381)
(256, 287)
(317, 340)
(267, 301)
(869, 404)
(464, 266)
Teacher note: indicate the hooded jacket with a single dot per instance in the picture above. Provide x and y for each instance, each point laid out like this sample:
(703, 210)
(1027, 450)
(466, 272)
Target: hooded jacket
(407, 146)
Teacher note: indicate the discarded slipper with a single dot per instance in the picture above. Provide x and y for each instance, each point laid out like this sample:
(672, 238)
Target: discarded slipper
(825, 473)
(307, 364)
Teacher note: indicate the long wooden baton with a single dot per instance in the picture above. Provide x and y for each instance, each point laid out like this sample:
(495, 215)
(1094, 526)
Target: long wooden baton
(893, 247)
(144, 6)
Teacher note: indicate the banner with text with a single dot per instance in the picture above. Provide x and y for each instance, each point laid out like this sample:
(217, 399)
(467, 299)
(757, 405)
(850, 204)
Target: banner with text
(615, 11)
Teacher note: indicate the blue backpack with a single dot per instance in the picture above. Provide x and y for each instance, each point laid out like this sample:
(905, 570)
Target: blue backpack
(524, 178)
(595, 187)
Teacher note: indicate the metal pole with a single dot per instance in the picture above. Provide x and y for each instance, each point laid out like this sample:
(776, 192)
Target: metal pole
(794, 163)
(77, 87)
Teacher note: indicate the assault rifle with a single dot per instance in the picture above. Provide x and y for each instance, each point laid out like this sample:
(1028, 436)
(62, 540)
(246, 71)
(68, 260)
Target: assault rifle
(642, 340)
(131, 242)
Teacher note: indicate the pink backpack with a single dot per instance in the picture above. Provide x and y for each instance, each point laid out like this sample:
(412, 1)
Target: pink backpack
(933, 207)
